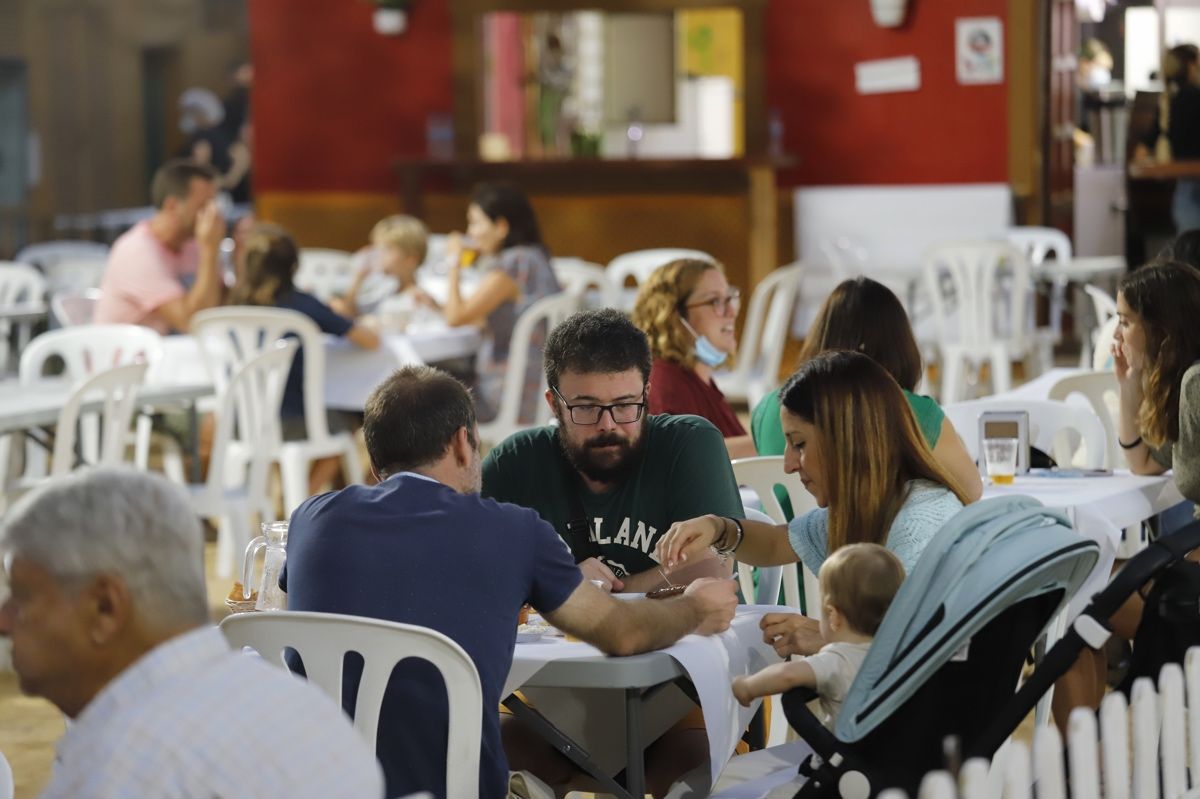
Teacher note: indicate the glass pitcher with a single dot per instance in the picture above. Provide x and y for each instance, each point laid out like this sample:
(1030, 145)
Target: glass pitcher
(274, 539)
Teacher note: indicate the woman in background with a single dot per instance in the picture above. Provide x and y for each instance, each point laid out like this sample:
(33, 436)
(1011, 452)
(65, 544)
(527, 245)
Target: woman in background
(864, 315)
(687, 309)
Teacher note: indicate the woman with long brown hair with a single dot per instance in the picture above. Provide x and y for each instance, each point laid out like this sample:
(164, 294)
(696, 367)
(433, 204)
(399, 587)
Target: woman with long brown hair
(857, 448)
(1156, 356)
(864, 315)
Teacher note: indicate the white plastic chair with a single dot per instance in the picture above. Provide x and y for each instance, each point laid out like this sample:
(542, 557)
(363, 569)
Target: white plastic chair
(74, 274)
(763, 337)
(119, 387)
(323, 272)
(551, 311)
(1102, 359)
(577, 276)
(1100, 390)
(235, 489)
(20, 284)
(769, 577)
(1071, 435)
(1105, 308)
(1038, 243)
(435, 250)
(979, 299)
(6, 779)
(87, 349)
(74, 308)
(47, 254)
(322, 641)
(228, 336)
(639, 265)
(762, 474)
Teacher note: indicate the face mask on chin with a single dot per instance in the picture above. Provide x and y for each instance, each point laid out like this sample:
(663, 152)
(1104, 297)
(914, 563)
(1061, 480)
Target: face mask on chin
(705, 351)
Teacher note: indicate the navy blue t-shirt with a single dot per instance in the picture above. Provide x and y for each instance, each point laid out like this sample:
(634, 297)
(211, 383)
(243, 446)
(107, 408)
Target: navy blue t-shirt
(329, 321)
(413, 550)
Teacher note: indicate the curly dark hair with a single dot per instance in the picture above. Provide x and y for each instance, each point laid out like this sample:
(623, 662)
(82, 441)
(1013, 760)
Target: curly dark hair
(596, 342)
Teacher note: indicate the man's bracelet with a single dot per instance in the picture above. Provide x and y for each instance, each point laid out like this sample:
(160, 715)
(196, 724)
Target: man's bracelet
(1131, 444)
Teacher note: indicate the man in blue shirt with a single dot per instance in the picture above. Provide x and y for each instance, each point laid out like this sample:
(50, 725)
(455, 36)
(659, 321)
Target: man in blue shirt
(423, 547)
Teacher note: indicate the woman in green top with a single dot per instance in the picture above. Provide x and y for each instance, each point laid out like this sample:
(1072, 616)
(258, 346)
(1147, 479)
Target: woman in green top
(864, 315)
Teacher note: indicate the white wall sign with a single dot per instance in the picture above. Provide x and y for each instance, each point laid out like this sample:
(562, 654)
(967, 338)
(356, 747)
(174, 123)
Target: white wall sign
(979, 50)
(888, 75)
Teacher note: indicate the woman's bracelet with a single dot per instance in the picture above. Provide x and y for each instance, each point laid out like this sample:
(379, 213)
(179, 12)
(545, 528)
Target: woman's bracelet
(722, 548)
(1131, 444)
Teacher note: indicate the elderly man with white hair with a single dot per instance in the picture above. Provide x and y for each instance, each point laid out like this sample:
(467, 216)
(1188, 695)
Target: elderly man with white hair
(108, 621)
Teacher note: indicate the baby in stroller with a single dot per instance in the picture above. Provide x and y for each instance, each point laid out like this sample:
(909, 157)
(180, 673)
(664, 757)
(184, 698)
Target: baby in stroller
(858, 582)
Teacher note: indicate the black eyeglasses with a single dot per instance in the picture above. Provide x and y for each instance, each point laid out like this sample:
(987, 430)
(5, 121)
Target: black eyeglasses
(722, 303)
(621, 412)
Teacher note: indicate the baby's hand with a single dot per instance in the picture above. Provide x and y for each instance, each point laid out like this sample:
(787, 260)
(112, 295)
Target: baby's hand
(741, 690)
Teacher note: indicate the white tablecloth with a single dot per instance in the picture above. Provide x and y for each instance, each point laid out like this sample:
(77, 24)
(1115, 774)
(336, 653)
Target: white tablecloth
(711, 662)
(351, 374)
(1101, 508)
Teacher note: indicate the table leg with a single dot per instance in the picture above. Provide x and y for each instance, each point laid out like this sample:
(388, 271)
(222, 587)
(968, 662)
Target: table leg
(195, 476)
(635, 767)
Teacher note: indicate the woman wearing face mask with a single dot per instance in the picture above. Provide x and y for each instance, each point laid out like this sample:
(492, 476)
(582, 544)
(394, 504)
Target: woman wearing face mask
(858, 450)
(687, 309)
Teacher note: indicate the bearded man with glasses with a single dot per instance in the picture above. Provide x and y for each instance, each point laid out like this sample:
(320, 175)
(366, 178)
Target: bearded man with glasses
(611, 480)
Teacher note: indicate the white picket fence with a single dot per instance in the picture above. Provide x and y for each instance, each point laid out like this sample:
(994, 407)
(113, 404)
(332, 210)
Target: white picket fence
(1148, 748)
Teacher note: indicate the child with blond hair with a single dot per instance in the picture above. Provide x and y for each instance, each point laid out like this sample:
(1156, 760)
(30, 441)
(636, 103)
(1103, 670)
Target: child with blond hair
(398, 246)
(858, 583)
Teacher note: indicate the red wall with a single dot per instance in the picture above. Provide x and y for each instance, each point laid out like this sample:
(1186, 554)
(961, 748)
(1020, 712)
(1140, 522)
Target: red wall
(335, 103)
(943, 132)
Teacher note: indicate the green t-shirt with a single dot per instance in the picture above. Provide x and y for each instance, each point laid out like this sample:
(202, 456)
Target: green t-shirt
(684, 473)
(768, 432)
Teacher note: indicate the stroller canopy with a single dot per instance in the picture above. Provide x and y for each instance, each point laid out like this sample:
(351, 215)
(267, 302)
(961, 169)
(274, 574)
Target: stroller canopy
(990, 556)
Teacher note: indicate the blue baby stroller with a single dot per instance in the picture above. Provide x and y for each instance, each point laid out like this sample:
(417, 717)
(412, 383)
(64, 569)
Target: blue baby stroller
(949, 654)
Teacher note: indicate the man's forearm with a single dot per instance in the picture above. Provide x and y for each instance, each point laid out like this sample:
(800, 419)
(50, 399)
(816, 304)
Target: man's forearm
(647, 624)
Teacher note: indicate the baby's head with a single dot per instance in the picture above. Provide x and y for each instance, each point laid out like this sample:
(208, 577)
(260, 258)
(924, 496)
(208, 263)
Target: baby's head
(858, 582)
(401, 241)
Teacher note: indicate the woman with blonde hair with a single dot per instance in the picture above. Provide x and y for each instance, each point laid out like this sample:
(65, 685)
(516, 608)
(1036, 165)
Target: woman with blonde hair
(687, 309)
(857, 448)
(864, 315)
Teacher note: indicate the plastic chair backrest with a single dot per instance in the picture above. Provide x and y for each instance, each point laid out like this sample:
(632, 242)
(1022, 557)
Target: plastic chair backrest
(1102, 359)
(435, 249)
(249, 404)
(1037, 243)
(761, 474)
(977, 280)
(87, 349)
(769, 577)
(74, 308)
(575, 275)
(322, 641)
(639, 265)
(1100, 390)
(20, 284)
(6, 778)
(551, 311)
(75, 274)
(1056, 428)
(324, 272)
(119, 387)
(229, 336)
(765, 333)
(46, 254)
(1103, 304)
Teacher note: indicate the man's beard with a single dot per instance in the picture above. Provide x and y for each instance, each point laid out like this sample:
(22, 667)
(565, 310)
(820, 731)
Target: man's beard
(584, 459)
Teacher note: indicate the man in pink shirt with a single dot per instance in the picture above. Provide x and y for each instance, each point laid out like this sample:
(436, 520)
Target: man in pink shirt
(143, 281)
